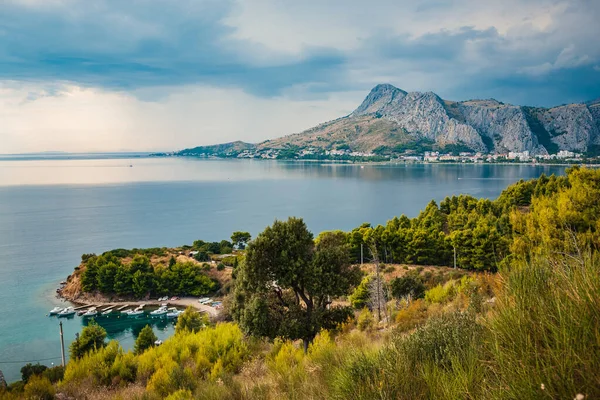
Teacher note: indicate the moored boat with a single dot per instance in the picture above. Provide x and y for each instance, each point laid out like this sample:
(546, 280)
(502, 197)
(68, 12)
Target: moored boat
(55, 310)
(162, 310)
(67, 312)
(92, 312)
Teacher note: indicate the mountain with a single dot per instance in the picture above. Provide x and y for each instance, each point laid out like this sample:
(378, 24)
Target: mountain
(390, 120)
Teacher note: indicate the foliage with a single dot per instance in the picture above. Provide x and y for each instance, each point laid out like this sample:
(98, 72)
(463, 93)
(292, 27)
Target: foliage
(220, 266)
(108, 275)
(240, 239)
(191, 320)
(441, 293)
(365, 320)
(92, 338)
(29, 370)
(546, 329)
(39, 388)
(361, 295)
(287, 282)
(145, 340)
(407, 285)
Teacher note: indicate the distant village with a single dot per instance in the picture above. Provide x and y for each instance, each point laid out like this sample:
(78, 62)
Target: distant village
(428, 156)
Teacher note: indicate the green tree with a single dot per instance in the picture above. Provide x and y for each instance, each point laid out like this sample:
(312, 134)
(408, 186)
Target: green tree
(361, 295)
(29, 370)
(92, 337)
(191, 320)
(240, 239)
(172, 261)
(287, 283)
(145, 340)
(408, 285)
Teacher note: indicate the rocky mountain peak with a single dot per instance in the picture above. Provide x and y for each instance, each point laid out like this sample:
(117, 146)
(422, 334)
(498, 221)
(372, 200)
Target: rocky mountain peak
(380, 97)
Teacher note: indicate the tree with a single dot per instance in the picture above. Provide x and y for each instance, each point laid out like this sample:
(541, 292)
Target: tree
(408, 285)
(240, 239)
(29, 370)
(172, 261)
(190, 320)
(359, 299)
(286, 284)
(92, 337)
(145, 340)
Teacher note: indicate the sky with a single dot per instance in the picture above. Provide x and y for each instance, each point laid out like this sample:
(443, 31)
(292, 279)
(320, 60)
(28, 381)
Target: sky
(162, 75)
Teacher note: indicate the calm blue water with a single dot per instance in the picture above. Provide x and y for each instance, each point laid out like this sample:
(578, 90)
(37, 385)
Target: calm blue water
(52, 211)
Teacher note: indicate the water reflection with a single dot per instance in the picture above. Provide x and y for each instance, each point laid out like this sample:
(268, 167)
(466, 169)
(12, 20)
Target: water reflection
(117, 326)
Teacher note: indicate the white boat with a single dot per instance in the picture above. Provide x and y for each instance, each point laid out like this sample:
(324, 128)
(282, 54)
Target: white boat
(204, 300)
(67, 312)
(158, 342)
(92, 312)
(55, 310)
(162, 310)
(174, 313)
(137, 312)
(106, 312)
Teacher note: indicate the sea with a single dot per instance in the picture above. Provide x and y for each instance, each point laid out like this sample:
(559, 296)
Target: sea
(55, 207)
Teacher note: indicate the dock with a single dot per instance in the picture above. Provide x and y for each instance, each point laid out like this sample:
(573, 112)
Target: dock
(84, 306)
(123, 307)
(109, 308)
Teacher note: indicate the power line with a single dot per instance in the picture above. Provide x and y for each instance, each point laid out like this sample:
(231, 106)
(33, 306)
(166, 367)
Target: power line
(29, 361)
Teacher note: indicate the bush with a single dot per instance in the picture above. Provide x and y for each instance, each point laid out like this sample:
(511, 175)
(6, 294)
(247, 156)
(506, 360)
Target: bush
(54, 374)
(408, 285)
(191, 320)
(441, 294)
(546, 329)
(361, 295)
(145, 340)
(220, 266)
(39, 388)
(365, 321)
(413, 315)
(29, 370)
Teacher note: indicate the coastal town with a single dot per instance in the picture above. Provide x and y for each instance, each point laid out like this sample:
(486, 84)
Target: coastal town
(311, 153)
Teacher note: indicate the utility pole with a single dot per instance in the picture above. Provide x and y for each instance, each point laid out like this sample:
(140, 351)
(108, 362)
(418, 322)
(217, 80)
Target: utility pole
(62, 345)
(454, 257)
(361, 254)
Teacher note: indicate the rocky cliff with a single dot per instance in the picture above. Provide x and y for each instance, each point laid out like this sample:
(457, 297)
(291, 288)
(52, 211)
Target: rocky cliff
(392, 120)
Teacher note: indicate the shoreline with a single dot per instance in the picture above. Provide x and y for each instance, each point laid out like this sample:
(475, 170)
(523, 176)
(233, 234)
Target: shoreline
(182, 302)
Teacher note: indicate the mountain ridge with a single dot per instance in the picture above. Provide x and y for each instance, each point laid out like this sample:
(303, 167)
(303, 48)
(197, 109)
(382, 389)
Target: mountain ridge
(390, 120)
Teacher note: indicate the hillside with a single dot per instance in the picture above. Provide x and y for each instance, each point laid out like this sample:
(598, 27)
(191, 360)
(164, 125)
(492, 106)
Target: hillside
(391, 121)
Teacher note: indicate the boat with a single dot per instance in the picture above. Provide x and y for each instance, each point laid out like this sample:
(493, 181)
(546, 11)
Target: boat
(204, 300)
(92, 312)
(106, 312)
(137, 312)
(162, 310)
(174, 313)
(55, 310)
(67, 312)
(158, 342)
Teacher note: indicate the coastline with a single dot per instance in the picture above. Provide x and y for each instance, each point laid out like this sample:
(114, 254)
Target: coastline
(103, 302)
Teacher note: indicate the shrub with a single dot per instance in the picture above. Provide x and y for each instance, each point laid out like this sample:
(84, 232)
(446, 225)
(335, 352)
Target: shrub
(145, 340)
(441, 294)
(365, 320)
(220, 266)
(361, 295)
(29, 370)
(54, 374)
(408, 285)
(546, 329)
(411, 316)
(39, 388)
(191, 320)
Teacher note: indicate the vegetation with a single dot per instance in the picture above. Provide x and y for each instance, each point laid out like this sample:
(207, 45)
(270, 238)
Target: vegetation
(92, 337)
(288, 280)
(107, 274)
(145, 340)
(240, 239)
(531, 330)
(190, 321)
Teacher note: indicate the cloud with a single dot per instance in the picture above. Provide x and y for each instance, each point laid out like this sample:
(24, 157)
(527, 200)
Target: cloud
(152, 56)
(90, 119)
